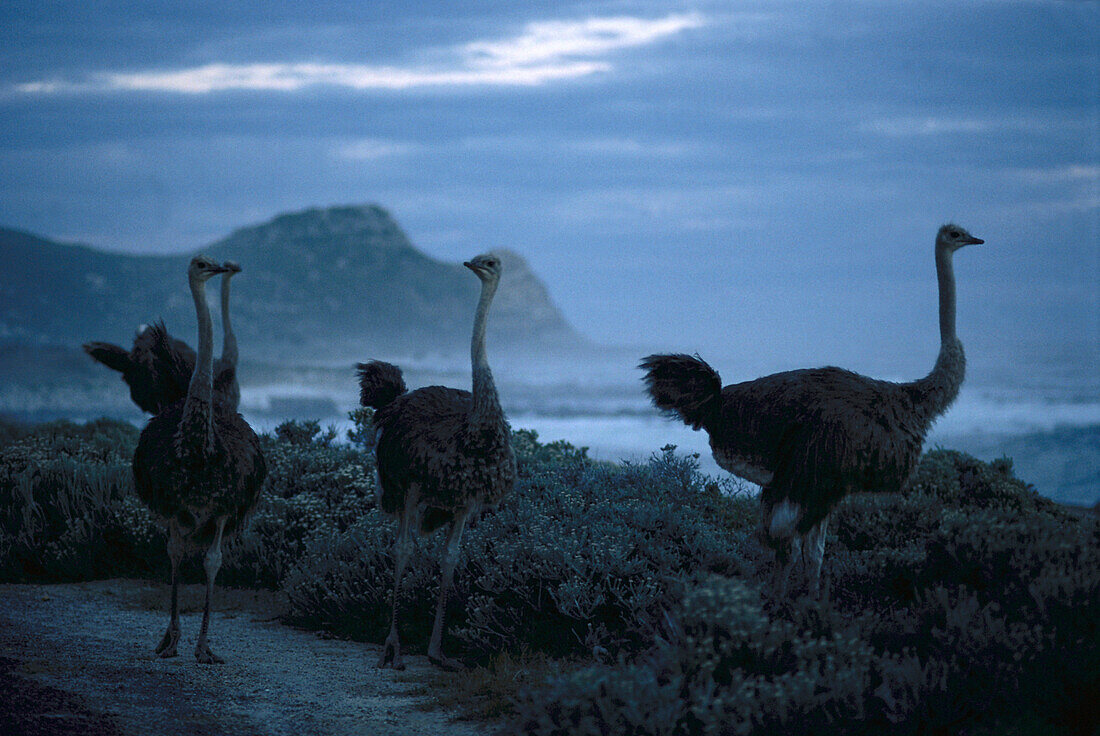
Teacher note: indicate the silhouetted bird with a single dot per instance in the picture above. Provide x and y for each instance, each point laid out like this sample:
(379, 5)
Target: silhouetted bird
(198, 467)
(158, 367)
(441, 454)
(811, 437)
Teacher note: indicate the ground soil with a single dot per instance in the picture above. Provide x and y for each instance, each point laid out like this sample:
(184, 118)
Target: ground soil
(78, 659)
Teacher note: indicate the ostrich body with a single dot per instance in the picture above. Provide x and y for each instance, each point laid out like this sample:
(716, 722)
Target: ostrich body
(442, 454)
(811, 437)
(158, 367)
(198, 466)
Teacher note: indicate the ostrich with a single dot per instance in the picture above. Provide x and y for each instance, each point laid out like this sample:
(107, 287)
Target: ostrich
(158, 367)
(198, 466)
(442, 454)
(225, 368)
(810, 437)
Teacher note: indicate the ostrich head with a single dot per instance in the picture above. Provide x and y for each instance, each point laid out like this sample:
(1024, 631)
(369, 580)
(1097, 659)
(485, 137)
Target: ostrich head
(232, 267)
(202, 268)
(952, 237)
(486, 267)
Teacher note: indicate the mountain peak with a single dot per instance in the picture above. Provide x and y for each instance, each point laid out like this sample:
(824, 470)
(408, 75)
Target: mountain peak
(330, 282)
(368, 221)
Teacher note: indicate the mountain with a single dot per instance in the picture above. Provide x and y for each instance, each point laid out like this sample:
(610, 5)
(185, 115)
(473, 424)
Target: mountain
(318, 285)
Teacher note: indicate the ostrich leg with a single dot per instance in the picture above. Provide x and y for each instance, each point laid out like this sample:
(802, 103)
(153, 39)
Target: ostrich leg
(778, 530)
(167, 646)
(447, 565)
(815, 550)
(785, 558)
(212, 563)
(402, 551)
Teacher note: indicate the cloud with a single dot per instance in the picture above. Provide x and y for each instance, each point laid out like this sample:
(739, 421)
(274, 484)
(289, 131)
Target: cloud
(901, 127)
(634, 147)
(1058, 175)
(694, 207)
(544, 52)
(552, 41)
(370, 149)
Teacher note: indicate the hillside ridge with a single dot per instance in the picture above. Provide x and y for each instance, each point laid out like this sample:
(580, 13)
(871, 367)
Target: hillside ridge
(319, 282)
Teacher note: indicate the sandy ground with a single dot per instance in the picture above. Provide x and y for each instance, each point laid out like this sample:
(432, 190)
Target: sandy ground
(78, 659)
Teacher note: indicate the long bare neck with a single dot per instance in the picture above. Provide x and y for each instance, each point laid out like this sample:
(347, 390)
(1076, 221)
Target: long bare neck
(197, 414)
(486, 402)
(945, 274)
(229, 340)
(937, 390)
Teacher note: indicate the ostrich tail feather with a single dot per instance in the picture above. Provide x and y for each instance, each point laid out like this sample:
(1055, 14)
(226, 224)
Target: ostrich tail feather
(685, 386)
(112, 356)
(379, 383)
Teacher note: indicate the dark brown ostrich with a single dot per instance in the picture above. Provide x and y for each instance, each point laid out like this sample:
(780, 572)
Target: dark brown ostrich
(811, 437)
(158, 367)
(442, 454)
(199, 468)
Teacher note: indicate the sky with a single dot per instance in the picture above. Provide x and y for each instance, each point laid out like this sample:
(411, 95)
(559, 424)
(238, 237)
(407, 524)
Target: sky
(759, 181)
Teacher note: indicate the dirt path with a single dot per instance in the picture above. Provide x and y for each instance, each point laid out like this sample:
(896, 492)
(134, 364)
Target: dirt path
(78, 659)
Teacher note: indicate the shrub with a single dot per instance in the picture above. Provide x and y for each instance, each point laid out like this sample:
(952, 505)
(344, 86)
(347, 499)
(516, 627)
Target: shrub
(586, 559)
(733, 669)
(962, 481)
(966, 605)
(67, 506)
(314, 488)
(68, 510)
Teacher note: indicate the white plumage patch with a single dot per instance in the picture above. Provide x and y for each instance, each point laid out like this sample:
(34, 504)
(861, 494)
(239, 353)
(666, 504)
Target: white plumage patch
(741, 467)
(784, 520)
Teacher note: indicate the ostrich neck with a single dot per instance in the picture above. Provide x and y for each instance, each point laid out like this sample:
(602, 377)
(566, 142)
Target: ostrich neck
(938, 389)
(945, 273)
(229, 340)
(196, 410)
(486, 402)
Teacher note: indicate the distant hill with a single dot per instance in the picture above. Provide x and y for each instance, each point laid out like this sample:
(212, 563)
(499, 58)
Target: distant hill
(318, 285)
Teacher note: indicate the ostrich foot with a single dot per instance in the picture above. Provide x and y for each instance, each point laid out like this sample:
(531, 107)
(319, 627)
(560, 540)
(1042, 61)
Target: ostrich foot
(391, 653)
(441, 660)
(167, 646)
(204, 656)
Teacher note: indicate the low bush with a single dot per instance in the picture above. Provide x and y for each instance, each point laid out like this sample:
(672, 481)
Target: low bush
(68, 510)
(583, 557)
(67, 507)
(967, 604)
(315, 488)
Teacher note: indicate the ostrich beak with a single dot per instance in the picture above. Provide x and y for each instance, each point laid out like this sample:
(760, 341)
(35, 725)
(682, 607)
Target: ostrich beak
(974, 241)
(232, 267)
(472, 266)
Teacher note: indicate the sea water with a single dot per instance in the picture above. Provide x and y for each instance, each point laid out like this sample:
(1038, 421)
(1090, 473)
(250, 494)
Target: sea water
(1050, 428)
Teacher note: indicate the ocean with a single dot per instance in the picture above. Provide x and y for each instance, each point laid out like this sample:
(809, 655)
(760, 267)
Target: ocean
(1049, 426)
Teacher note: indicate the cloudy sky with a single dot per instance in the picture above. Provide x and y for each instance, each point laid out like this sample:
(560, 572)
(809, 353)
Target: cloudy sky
(759, 178)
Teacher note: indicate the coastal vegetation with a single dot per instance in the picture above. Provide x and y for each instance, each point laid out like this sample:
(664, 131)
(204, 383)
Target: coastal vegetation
(626, 598)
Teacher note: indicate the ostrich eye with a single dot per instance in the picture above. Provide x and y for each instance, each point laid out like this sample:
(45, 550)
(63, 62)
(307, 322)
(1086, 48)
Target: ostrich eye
(954, 233)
